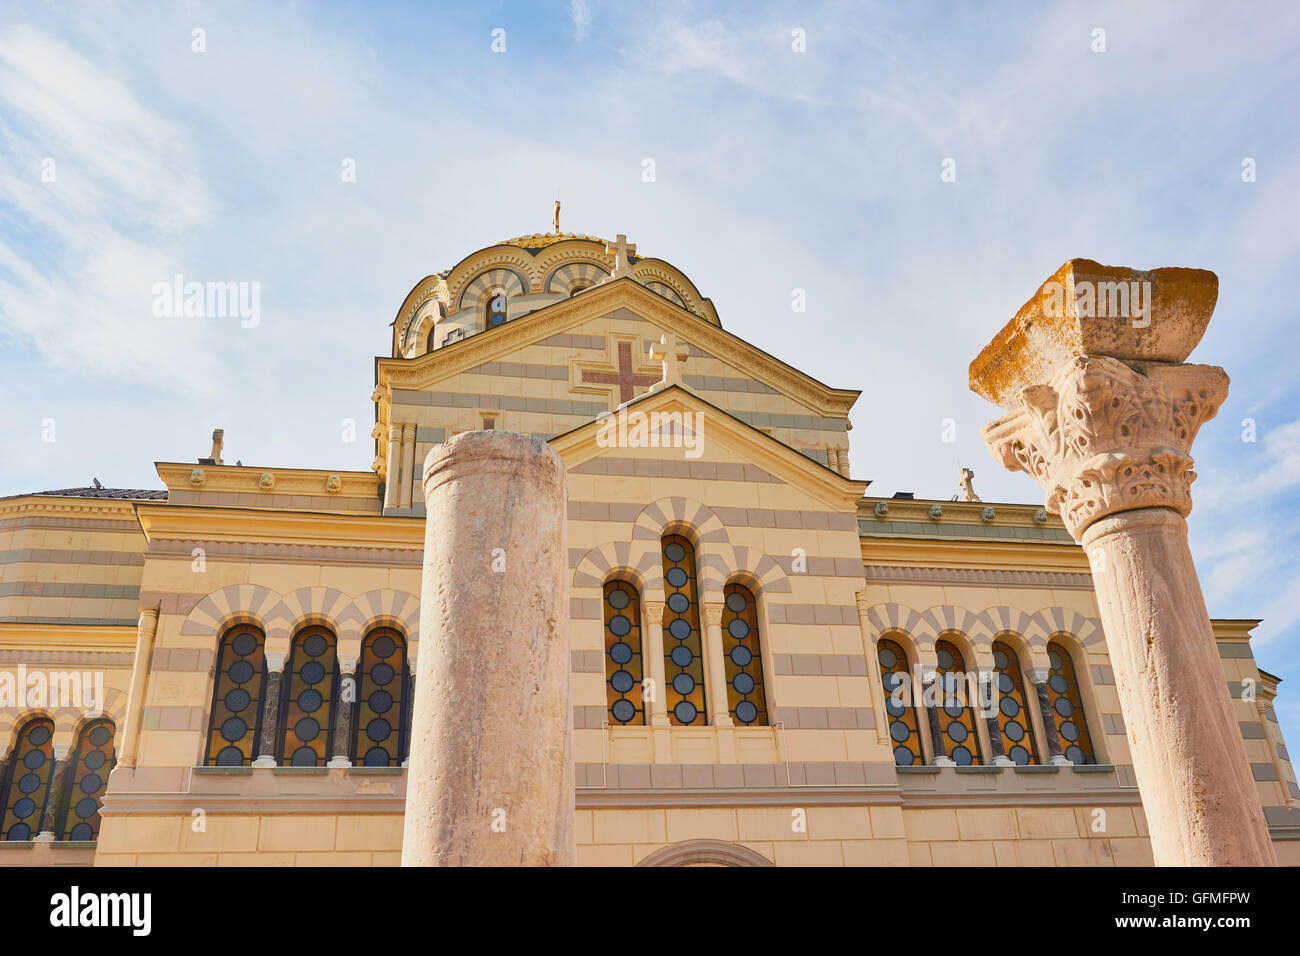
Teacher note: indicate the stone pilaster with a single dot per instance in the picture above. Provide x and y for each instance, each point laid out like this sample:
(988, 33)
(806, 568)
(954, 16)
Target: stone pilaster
(146, 628)
(393, 476)
(653, 656)
(408, 463)
(716, 667)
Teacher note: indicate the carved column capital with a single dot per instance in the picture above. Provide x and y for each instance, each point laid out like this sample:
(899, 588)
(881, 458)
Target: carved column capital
(654, 612)
(713, 615)
(1105, 436)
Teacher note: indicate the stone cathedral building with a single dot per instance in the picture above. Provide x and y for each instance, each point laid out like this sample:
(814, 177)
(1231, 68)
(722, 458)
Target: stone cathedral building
(769, 664)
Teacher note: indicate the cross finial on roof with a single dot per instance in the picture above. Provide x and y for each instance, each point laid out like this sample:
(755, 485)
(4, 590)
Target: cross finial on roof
(670, 352)
(218, 439)
(620, 249)
(557, 217)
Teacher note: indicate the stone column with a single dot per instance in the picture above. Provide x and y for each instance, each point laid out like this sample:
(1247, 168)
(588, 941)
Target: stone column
(874, 682)
(491, 780)
(408, 464)
(932, 698)
(393, 481)
(653, 658)
(343, 721)
(48, 831)
(145, 630)
(266, 741)
(1103, 413)
(1038, 677)
(716, 668)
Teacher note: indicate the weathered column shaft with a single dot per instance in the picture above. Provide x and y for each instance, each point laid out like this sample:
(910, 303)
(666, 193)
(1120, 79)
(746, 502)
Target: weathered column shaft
(266, 743)
(393, 474)
(491, 778)
(1203, 810)
(653, 655)
(408, 464)
(342, 743)
(54, 801)
(716, 668)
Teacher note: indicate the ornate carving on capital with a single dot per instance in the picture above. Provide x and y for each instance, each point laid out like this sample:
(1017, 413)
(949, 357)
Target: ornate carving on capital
(654, 613)
(1104, 436)
(713, 615)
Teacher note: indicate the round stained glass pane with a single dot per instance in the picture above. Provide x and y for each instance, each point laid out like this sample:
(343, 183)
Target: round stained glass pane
(685, 712)
(952, 707)
(314, 671)
(620, 653)
(1008, 706)
(29, 783)
(1075, 754)
(676, 577)
(738, 629)
(682, 656)
(1005, 683)
(743, 683)
(961, 757)
(1013, 730)
(680, 629)
(99, 736)
(903, 757)
(24, 807)
(309, 700)
(237, 699)
(243, 644)
(315, 645)
(34, 759)
(1054, 659)
(307, 729)
(378, 729)
(377, 757)
(1063, 706)
(736, 601)
(618, 599)
(887, 658)
(899, 731)
(623, 711)
(678, 603)
(674, 552)
(1058, 683)
(82, 831)
(380, 701)
(683, 684)
(383, 646)
(1069, 731)
(91, 783)
(741, 656)
(620, 626)
(233, 728)
(1018, 754)
(894, 707)
(1000, 660)
(230, 757)
(382, 673)
(87, 807)
(957, 731)
(20, 831)
(746, 712)
(241, 671)
(304, 757)
(621, 681)
(945, 660)
(39, 735)
(94, 760)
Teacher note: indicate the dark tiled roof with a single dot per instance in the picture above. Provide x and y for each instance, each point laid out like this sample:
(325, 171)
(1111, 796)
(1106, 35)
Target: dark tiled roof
(121, 494)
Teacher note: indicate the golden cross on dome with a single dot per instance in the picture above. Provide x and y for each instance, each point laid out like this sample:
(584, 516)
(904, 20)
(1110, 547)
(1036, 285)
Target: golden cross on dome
(669, 351)
(620, 248)
(557, 217)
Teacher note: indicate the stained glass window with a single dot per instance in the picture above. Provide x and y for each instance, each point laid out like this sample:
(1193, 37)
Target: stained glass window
(383, 713)
(1067, 706)
(307, 704)
(899, 704)
(1014, 723)
(87, 781)
(952, 697)
(743, 656)
(237, 699)
(683, 656)
(623, 661)
(496, 310)
(26, 781)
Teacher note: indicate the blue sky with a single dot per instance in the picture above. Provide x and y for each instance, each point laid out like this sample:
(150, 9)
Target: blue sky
(775, 170)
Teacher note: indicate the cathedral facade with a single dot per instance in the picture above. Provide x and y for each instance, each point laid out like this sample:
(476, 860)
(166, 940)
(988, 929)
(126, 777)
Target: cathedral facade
(770, 666)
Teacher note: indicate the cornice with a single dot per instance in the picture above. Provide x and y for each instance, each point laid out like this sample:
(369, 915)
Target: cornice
(250, 479)
(117, 509)
(195, 522)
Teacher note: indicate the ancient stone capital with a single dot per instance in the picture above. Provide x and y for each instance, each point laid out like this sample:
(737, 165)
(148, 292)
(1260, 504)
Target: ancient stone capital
(1105, 436)
(713, 615)
(654, 613)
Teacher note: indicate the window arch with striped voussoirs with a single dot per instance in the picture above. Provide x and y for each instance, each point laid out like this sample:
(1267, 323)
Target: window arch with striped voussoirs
(624, 663)
(236, 720)
(1067, 706)
(26, 781)
(382, 729)
(87, 780)
(954, 705)
(904, 733)
(742, 654)
(307, 709)
(683, 644)
(1014, 723)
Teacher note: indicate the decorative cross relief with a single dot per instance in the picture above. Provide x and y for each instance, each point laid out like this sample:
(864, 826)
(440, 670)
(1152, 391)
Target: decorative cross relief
(620, 249)
(670, 352)
(623, 376)
(1103, 437)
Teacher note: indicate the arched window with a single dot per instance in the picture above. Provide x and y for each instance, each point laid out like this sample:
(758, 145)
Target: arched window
(743, 656)
(899, 704)
(237, 699)
(1067, 706)
(26, 782)
(382, 727)
(88, 779)
(1014, 723)
(307, 707)
(683, 655)
(956, 716)
(495, 310)
(431, 342)
(623, 661)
